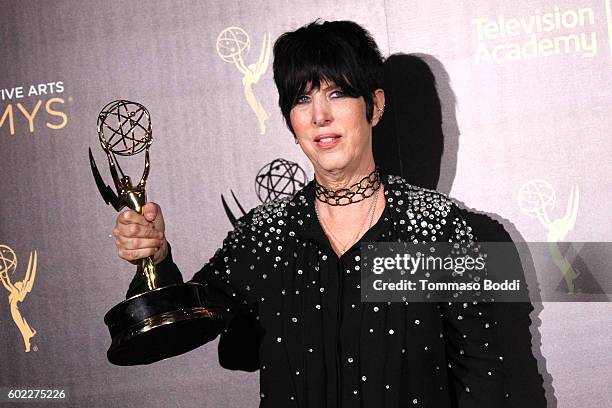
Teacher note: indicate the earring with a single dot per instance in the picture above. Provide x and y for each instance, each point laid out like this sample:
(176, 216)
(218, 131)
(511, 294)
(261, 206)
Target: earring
(382, 111)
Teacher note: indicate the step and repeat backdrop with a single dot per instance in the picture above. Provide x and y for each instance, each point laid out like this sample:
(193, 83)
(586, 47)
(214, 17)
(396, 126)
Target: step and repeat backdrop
(526, 103)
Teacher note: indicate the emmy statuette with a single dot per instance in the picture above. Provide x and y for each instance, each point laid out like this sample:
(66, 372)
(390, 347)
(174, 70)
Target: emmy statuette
(160, 322)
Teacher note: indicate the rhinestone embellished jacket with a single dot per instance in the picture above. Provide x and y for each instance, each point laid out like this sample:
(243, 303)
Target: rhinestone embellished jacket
(323, 347)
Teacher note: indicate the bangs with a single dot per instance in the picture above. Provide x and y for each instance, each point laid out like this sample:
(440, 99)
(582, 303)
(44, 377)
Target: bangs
(315, 65)
(339, 52)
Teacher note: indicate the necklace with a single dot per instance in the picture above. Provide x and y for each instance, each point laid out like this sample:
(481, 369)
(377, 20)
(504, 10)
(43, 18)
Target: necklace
(359, 191)
(370, 215)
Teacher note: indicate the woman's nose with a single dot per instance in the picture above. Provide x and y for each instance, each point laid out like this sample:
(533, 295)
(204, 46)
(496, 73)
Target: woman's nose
(321, 113)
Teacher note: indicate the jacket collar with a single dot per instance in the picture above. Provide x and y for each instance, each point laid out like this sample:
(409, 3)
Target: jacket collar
(303, 217)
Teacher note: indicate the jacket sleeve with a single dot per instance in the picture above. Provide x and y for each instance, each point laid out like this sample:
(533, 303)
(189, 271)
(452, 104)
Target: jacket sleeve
(228, 277)
(167, 274)
(475, 363)
(522, 381)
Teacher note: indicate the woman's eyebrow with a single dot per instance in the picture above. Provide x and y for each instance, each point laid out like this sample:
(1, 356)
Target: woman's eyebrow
(329, 86)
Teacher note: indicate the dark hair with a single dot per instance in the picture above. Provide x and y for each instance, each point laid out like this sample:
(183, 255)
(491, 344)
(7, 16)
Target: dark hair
(341, 52)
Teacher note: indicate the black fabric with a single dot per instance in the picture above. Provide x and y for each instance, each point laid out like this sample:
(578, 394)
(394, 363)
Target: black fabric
(522, 379)
(319, 345)
(239, 345)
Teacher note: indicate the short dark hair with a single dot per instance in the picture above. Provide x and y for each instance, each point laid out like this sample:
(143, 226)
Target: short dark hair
(341, 52)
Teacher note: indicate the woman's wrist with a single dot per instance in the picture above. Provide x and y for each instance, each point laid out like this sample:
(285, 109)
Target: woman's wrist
(161, 253)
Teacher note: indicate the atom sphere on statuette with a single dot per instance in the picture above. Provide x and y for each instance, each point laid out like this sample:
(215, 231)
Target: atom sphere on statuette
(124, 128)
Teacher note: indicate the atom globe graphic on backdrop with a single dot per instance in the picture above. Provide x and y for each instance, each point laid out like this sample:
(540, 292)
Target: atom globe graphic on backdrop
(279, 178)
(535, 197)
(232, 42)
(8, 261)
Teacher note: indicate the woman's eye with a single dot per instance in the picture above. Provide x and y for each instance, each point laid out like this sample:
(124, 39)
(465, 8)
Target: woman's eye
(301, 99)
(338, 93)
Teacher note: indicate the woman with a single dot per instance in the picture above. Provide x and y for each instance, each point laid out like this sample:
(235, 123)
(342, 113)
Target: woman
(297, 260)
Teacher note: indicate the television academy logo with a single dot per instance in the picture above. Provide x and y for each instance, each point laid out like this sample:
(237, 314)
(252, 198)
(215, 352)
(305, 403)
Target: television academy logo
(541, 34)
(18, 290)
(232, 44)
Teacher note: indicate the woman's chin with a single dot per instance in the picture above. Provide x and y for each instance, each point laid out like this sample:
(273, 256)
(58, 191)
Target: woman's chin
(334, 166)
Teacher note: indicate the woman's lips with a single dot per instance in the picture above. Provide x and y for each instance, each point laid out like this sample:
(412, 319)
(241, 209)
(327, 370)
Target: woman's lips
(327, 141)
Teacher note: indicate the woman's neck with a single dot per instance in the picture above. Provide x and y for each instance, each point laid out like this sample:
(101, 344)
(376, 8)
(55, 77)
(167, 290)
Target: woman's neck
(342, 178)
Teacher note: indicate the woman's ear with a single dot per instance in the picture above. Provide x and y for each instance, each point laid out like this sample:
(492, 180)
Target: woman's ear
(378, 98)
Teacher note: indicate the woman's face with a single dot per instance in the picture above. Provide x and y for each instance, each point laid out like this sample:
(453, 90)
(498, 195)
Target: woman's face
(332, 128)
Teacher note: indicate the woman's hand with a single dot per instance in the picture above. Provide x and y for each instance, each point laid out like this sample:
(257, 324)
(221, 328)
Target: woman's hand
(138, 236)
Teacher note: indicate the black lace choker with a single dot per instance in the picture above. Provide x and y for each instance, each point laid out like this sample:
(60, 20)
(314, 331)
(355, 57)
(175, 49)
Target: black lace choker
(359, 191)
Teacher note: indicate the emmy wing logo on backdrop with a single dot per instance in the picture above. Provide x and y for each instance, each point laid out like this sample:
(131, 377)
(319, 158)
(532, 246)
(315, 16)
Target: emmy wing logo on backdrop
(18, 290)
(279, 178)
(232, 44)
(536, 198)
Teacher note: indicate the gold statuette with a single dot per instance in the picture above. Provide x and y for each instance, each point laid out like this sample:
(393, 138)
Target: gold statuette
(164, 321)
